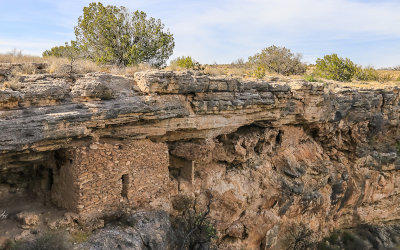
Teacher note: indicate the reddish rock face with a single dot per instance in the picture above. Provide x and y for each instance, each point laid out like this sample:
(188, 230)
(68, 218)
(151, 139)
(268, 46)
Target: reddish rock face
(275, 156)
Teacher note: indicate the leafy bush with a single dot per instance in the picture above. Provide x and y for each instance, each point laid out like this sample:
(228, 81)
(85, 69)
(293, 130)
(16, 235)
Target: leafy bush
(366, 74)
(185, 62)
(61, 51)
(335, 68)
(371, 74)
(276, 60)
(343, 69)
(310, 78)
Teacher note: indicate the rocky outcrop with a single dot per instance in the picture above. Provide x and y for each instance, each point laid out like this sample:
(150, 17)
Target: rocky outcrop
(140, 230)
(274, 154)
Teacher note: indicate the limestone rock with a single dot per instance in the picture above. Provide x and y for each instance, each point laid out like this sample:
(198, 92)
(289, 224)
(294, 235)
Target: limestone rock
(102, 86)
(146, 230)
(273, 153)
(28, 219)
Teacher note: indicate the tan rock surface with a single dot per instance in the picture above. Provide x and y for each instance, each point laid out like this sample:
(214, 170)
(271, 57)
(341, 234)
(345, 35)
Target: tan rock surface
(273, 154)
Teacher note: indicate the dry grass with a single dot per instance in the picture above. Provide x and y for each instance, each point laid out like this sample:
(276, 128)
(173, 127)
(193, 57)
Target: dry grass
(387, 78)
(19, 58)
(130, 70)
(394, 74)
(373, 84)
(175, 68)
(61, 66)
(227, 69)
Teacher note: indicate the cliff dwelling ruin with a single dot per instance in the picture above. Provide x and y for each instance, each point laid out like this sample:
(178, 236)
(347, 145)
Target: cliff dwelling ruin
(273, 153)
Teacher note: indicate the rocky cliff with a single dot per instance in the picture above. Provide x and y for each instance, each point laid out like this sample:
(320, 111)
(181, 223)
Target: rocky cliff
(275, 155)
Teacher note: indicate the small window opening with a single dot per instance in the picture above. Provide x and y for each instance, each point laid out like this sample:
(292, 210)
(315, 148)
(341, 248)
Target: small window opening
(125, 185)
(279, 137)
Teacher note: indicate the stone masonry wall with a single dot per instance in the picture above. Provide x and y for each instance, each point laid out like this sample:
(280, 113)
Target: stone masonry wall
(106, 176)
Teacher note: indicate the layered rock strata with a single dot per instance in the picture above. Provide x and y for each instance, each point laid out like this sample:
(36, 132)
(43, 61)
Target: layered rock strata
(275, 155)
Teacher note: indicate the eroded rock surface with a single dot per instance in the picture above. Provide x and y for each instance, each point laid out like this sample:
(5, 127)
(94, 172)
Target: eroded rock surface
(143, 230)
(274, 154)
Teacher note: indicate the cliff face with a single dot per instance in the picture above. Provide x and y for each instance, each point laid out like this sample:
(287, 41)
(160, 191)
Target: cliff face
(275, 155)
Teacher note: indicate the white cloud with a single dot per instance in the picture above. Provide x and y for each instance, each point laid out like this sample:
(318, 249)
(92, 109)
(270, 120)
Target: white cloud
(255, 24)
(224, 30)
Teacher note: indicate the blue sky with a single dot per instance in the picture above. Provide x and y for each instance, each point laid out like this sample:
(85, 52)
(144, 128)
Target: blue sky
(366, 31)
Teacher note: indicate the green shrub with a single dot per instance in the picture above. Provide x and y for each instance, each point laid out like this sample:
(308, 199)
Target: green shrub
(335, 68)
(339, 69)
(186, 62)
(71, 52)
(58, 51)
(366, 74)
(276, 60)
(258, 72)
(310, 78)
(371, 74)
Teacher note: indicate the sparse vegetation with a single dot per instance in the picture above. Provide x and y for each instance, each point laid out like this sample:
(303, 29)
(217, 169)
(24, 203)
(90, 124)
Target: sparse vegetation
(80, 236)
(343, 69)
(300, 237)
(71, 52)
(335, 68)
(227, 69)
(69, 59)
(310, 78)
(342, 240)
(276, 60)
(60, 65)
(185, 62)
(194, 228)
(57, 51)
(366, 74)
(371, 74)
(16, 56)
